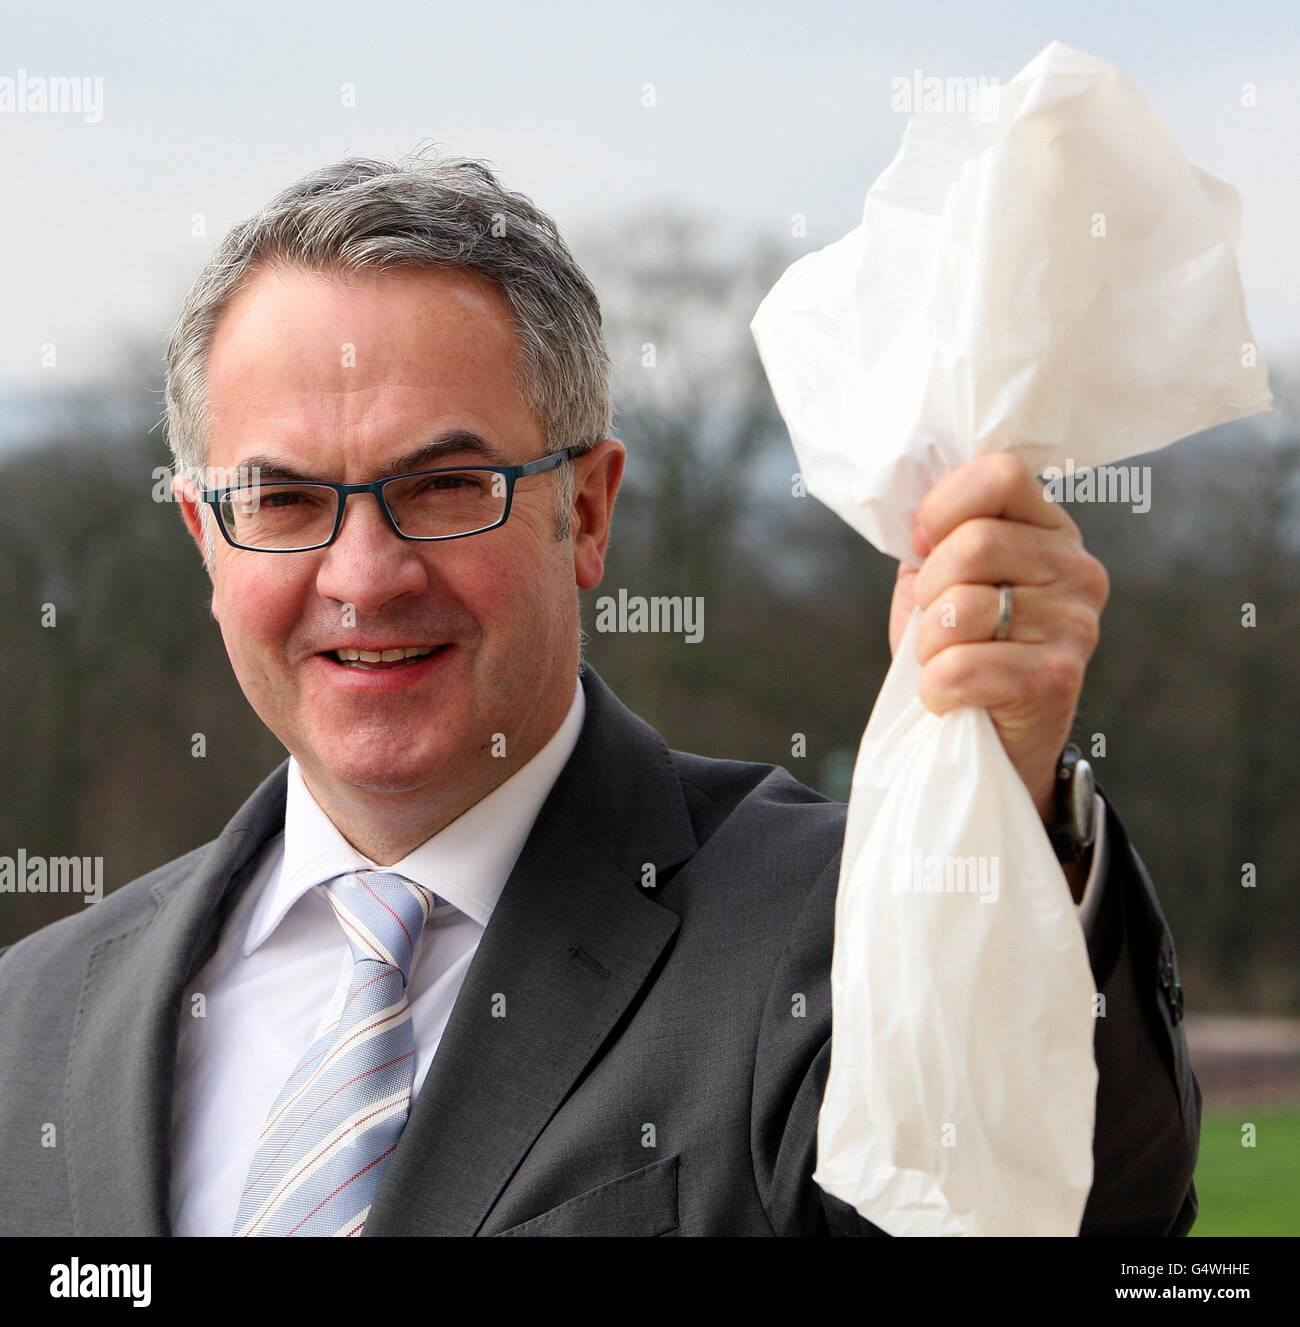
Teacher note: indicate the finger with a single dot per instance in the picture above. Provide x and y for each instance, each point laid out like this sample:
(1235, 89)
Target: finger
(985, 551)
(993, 485)
(995, 673)
(968, 614)
(901, 605)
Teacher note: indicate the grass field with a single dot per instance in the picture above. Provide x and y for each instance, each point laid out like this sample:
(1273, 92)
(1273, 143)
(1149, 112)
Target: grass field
(1249, 1190)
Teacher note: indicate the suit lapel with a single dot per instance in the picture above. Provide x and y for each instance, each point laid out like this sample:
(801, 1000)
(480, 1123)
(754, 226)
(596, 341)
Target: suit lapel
(573, 938)
(122, 1059)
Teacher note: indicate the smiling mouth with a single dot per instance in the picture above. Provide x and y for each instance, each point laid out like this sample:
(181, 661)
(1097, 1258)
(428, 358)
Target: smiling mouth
(374, 661)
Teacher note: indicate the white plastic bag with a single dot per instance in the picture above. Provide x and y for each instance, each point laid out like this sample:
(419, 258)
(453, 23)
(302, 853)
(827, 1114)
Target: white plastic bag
(1055, 280)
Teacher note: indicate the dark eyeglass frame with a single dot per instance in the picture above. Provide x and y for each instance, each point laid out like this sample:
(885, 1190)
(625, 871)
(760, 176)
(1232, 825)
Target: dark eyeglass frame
(213, 497)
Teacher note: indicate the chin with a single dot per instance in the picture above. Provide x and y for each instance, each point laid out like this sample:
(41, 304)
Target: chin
(384, 763)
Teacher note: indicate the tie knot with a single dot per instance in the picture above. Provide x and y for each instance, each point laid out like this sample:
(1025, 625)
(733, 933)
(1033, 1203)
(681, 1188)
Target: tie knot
(382, 916)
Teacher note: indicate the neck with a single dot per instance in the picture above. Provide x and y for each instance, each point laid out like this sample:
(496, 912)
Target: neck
(386, 826)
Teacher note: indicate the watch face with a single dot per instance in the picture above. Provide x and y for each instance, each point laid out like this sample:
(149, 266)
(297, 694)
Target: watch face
(1083, 792)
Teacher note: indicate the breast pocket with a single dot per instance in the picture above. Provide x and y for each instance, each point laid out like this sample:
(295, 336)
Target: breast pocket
(642, 1202)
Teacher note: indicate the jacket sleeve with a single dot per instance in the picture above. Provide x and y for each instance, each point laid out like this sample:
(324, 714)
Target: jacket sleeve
(1148, 1100)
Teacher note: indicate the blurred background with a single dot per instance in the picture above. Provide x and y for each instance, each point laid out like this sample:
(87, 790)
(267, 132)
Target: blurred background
(688, 157)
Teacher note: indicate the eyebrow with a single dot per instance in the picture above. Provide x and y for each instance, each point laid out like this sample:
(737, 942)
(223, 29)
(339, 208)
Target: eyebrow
(454, 442)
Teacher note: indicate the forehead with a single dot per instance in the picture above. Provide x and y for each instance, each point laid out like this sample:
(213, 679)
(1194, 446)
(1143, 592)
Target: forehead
(302, 351)
(302, 319)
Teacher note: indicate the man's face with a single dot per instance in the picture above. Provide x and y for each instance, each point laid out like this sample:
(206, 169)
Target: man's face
(346, 379)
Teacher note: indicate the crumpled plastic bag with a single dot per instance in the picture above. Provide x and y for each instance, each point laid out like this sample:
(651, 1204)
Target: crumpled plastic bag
(1053, 279)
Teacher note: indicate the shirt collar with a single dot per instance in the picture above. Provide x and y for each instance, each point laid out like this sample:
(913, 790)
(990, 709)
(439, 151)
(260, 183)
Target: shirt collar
(467, 862)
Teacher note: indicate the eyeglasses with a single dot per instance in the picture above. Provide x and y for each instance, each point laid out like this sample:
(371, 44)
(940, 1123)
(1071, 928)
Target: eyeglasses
(295, 516)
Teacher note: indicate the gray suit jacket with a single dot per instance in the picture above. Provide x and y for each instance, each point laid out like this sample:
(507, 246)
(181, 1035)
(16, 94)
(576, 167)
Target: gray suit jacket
(648, 1078)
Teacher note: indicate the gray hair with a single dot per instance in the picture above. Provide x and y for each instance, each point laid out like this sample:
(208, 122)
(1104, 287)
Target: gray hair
(368, 214)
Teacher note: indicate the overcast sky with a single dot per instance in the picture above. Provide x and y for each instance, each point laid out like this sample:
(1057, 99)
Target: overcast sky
(762, 110)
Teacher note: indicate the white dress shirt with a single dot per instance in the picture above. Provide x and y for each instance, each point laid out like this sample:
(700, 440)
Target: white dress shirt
(282, 969)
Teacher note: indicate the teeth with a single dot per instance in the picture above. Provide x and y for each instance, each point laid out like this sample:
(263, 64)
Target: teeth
(382, 656)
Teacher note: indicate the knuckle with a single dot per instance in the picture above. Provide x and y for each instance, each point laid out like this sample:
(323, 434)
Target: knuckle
(1087, 628)
(1007, 469)
(1062, 672)
(1103, 583)
(952, 669)
(978, 541)
(928, 689)
(924, 644)
(1093, 579)
(923, 591)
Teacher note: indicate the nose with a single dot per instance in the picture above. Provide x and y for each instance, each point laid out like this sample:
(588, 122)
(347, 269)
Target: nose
(368, 565)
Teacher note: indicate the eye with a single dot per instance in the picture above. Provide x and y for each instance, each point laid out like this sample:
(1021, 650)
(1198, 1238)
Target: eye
(459, 481)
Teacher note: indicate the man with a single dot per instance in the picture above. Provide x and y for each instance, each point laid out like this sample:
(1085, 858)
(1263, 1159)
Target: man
(485, 957)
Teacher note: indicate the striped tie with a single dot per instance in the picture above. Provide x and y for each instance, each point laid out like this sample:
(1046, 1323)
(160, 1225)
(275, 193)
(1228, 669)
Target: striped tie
(329, 1136)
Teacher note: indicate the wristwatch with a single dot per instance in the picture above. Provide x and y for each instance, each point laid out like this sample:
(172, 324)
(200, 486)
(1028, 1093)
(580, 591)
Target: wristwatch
(1074, 826)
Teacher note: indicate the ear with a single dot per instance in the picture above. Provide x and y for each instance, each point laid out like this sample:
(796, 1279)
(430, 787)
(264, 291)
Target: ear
(186, 494)
(596, 477)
